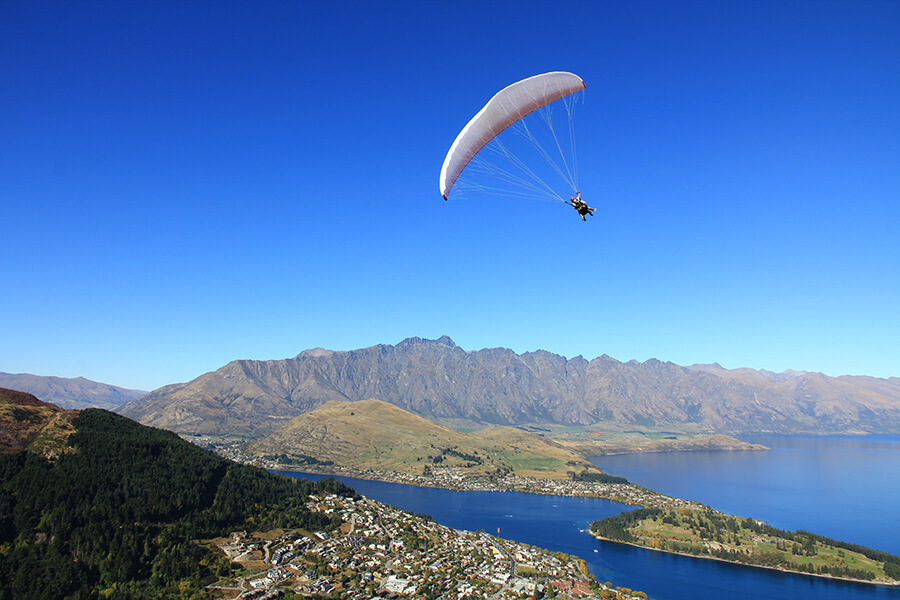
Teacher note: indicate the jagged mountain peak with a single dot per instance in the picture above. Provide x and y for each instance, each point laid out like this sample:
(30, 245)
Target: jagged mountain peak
(444, 340)
(706, 367)
(441, 382)
(316, 353)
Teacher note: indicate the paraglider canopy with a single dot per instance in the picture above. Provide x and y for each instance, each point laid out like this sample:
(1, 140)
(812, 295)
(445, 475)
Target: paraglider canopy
(508, 106)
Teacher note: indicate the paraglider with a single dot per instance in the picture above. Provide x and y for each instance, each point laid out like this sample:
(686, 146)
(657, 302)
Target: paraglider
(581, 206)
(517, 176)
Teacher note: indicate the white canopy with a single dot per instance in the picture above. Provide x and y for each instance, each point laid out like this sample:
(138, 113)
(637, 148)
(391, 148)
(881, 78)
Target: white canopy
(506, 107)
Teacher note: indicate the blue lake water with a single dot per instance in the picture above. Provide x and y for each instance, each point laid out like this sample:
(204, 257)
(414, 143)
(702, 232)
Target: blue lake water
(836, 485)
(843, 487)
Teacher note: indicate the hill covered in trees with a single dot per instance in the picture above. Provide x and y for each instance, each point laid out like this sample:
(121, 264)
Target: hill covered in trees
(118, 516)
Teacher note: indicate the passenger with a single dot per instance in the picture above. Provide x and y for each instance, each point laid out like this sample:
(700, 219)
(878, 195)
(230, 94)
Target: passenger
(581, 206)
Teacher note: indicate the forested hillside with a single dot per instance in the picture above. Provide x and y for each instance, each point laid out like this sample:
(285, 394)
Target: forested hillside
(118, 517)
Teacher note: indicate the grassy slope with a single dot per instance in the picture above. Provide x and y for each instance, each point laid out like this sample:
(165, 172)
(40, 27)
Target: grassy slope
(378, 435)
(27, 423)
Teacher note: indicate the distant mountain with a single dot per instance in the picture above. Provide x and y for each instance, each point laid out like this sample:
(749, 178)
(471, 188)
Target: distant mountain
(68, 393)
(441, 382)
(371, 434)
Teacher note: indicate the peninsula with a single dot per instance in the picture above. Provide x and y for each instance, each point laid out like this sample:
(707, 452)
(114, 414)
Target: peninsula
(376, 440)
(707, 533)
(370, 439)
(664, 523)
(96, 505)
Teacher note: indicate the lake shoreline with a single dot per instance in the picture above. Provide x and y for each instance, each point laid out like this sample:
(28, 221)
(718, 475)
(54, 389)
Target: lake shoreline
(732, 562)
(726, 480)
(629, 494)
(658, 501)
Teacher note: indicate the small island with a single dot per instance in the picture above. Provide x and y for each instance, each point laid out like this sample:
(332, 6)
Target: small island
(707, 533)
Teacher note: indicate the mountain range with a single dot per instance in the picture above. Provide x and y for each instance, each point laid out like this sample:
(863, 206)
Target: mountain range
(441, 382)
(74, 393)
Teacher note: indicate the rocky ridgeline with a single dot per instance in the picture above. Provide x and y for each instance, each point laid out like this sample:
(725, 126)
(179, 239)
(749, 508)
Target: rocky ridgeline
(438, 380)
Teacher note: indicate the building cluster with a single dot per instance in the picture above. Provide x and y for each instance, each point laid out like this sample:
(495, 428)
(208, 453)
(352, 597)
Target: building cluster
(382, 552)
(459, 478)
(626, 493)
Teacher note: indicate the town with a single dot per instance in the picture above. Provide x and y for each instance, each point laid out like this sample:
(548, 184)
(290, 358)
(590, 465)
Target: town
(458, 478)
(383, 552)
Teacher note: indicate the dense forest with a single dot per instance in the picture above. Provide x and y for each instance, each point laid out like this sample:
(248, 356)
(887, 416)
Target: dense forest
(598, 477)
(121, 515)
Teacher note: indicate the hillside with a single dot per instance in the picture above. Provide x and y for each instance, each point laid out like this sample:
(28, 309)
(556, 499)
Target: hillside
(27, 423)
(119, 515)
(439, 381)
(370, 434)
(75, 393)
(707, 533)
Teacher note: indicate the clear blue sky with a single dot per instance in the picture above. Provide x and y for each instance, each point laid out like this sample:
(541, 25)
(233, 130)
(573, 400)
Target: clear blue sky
(187, 183)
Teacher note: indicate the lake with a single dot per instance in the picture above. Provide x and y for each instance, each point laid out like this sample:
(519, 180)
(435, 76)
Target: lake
(745, 483)
(843, 487)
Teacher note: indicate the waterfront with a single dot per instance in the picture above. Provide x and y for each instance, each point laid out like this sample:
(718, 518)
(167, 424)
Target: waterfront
(379, 549)
(842, 487)
(557, 523)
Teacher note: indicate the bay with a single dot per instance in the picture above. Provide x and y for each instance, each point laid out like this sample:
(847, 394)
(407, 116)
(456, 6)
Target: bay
(559, 524)
(842, 487)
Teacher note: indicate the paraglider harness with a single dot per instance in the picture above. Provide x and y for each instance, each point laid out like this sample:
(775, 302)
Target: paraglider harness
(581, 206)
